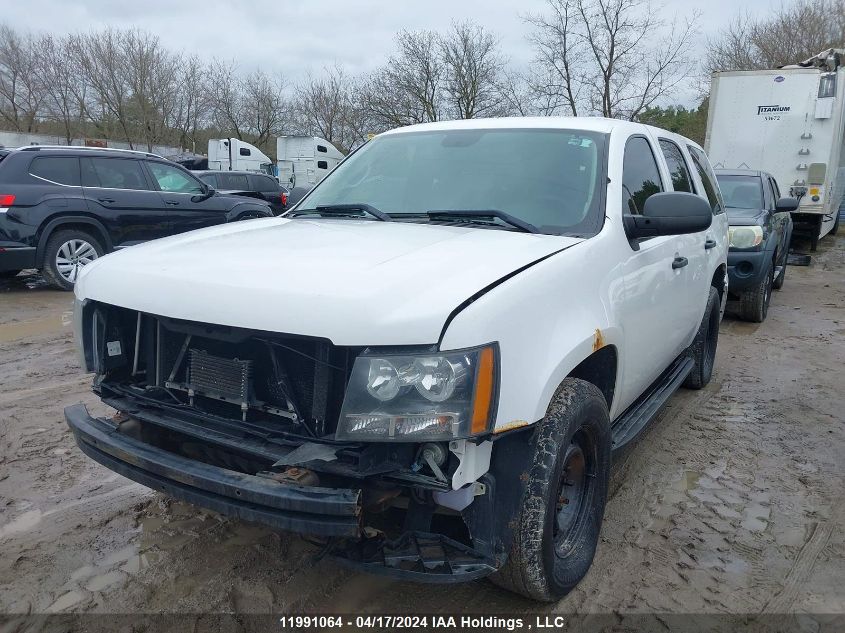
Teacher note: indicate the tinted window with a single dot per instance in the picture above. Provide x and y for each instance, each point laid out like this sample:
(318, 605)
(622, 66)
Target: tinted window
(173, 179)
(264, 183)
(678, 170)
(640, 175)
(560, 174)
(210, 179)
(708, 179)
(741, 192)
(321, 164)
(322, 148)
(244, 151)
(233, 181)
(113, 173)
(61, 169)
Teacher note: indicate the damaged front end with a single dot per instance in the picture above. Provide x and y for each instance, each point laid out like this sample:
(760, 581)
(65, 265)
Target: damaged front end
(246, 423)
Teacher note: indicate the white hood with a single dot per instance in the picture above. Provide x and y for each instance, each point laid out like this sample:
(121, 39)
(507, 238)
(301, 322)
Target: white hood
(354, 282)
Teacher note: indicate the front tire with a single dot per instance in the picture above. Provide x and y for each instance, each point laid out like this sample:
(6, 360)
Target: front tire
(703, 348)
(754, 303)
(557, 531)
(66, 253)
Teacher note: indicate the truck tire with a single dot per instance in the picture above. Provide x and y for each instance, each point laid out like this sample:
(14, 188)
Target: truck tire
(557, 531)
(66, 252)
(703, 348)
(777, 284)
(754, 303)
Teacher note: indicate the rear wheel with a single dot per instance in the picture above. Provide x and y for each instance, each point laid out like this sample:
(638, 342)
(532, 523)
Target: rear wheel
(557, 531)
(66, 254)
(754, 303)
(703, 348)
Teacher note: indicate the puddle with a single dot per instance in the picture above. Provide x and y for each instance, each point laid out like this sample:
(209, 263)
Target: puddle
(66, 601)
(33, 327)
(98, 583)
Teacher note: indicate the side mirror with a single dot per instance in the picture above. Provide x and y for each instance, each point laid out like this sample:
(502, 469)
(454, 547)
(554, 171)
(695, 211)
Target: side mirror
(670, 213)
(786, 204)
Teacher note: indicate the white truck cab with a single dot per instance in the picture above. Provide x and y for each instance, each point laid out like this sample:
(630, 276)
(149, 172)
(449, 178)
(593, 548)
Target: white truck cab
(303, 161)
(440, 373)
(232, 154)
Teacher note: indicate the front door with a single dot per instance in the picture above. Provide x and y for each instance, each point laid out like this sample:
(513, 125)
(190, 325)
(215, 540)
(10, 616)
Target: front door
(183, 196)
(657, 278)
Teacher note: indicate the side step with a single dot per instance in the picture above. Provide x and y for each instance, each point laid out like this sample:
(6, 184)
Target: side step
(639, 414)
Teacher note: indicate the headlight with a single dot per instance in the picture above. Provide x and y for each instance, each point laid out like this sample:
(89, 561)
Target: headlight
(420, 397)
(745, 236)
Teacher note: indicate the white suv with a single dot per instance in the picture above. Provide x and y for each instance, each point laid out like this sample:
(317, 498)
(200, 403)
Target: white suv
(432, 359)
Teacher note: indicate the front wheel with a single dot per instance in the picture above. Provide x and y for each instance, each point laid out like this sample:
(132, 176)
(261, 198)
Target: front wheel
(754, 303)
(557, 531)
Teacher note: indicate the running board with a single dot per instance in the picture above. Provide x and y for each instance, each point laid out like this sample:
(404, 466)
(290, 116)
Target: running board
(639, 414)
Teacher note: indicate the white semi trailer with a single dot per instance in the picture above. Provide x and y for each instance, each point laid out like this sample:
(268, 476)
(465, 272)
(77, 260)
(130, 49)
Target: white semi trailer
(789, 122)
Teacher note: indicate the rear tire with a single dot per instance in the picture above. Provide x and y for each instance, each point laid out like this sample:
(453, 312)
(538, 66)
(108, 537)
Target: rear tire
(754, 303)
(66, 253)
(557, 531)
(703, 348)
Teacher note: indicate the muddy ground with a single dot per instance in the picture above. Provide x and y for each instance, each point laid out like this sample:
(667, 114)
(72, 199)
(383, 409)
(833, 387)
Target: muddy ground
(732, 502)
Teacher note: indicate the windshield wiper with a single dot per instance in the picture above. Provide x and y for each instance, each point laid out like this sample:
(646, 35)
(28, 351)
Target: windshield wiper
(507, 218)
(341, 208)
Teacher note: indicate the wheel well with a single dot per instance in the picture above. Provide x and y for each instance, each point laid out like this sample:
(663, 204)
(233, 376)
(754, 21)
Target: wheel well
(718, 281)
(599, 368)
(71, 225)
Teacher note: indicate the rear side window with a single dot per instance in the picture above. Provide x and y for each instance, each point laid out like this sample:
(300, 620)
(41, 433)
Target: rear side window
(640, 175)
(322, 164)
(264, 183)
(708, 179)
(244, 151)
(233, 181)
(678, 169)
(63, 170)
(113, 173)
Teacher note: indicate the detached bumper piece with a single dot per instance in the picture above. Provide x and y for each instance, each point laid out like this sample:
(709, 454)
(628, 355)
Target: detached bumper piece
(304, 509)
(418, 556)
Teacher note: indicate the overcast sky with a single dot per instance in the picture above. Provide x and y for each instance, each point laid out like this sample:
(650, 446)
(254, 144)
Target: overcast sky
(295, 37)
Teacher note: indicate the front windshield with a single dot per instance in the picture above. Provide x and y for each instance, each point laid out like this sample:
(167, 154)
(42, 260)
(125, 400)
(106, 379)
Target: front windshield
(548, 178)
(741, 192)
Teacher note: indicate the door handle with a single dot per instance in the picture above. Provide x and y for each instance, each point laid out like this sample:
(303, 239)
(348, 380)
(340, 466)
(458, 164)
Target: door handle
(679, 262)
(709, 244)
(171, 203)
(106, 200)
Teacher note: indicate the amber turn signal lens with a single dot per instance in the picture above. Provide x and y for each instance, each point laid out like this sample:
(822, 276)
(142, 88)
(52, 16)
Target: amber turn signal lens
(483, 391)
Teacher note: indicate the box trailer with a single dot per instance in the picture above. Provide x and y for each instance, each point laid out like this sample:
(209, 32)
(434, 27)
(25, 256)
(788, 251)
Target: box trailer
(789, 122)
(303, 161)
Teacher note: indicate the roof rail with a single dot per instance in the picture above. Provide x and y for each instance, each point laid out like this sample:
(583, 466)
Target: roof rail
(35, 148)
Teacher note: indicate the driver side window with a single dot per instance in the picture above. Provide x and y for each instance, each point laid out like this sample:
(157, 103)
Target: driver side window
(640, 175)
(173, 180)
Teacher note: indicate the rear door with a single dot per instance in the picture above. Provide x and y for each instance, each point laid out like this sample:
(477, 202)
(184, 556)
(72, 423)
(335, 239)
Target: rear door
(183, 196)
(118, 192)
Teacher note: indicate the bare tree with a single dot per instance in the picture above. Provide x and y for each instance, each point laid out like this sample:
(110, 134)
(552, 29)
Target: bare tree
(609, 57)
(325, 107)
(408, 88)
(63, 84)
(21, 93)
(193, 104)
(473, 68)
(789, 35)
(263, 105)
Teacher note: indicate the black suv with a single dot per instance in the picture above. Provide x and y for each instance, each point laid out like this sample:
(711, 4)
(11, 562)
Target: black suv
(62, 207)
(247, 183)
(759, 234)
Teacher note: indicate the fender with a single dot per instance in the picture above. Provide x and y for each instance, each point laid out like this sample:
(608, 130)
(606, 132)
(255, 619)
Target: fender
(242, 208)
(57, 221)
